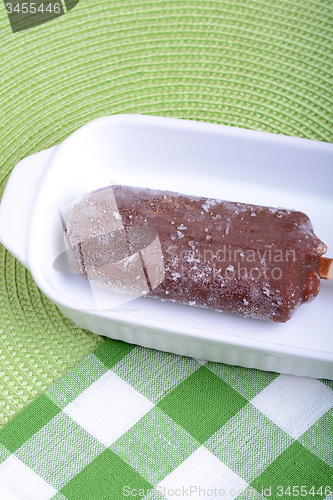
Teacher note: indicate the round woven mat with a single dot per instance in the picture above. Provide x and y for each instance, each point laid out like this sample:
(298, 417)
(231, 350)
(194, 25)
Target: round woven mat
(264, 65)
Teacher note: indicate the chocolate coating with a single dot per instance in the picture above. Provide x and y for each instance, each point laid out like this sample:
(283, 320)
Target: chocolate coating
(312, 286)
(250, 260)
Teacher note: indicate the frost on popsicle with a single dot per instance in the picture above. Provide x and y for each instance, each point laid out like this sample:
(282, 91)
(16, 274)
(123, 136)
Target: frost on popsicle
(108, 254)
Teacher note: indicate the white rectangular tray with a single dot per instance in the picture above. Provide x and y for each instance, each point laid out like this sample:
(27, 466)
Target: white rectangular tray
(192, 158)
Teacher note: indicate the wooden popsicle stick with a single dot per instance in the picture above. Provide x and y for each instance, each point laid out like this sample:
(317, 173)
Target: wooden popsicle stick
(326, 268)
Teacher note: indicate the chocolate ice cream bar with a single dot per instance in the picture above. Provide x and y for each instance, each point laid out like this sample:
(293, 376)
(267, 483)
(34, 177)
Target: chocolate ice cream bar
(255, 261)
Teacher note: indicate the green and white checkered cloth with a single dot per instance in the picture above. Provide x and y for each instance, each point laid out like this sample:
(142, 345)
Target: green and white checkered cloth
(134, 422)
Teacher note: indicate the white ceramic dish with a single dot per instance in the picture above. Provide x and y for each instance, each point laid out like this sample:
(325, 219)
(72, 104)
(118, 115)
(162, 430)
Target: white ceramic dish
(192, 158)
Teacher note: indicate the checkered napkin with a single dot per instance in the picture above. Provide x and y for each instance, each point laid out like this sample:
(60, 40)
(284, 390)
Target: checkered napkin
(131, 422)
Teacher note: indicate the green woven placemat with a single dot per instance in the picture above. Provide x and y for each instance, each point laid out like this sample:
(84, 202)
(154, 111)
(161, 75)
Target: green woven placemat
(264, 65)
